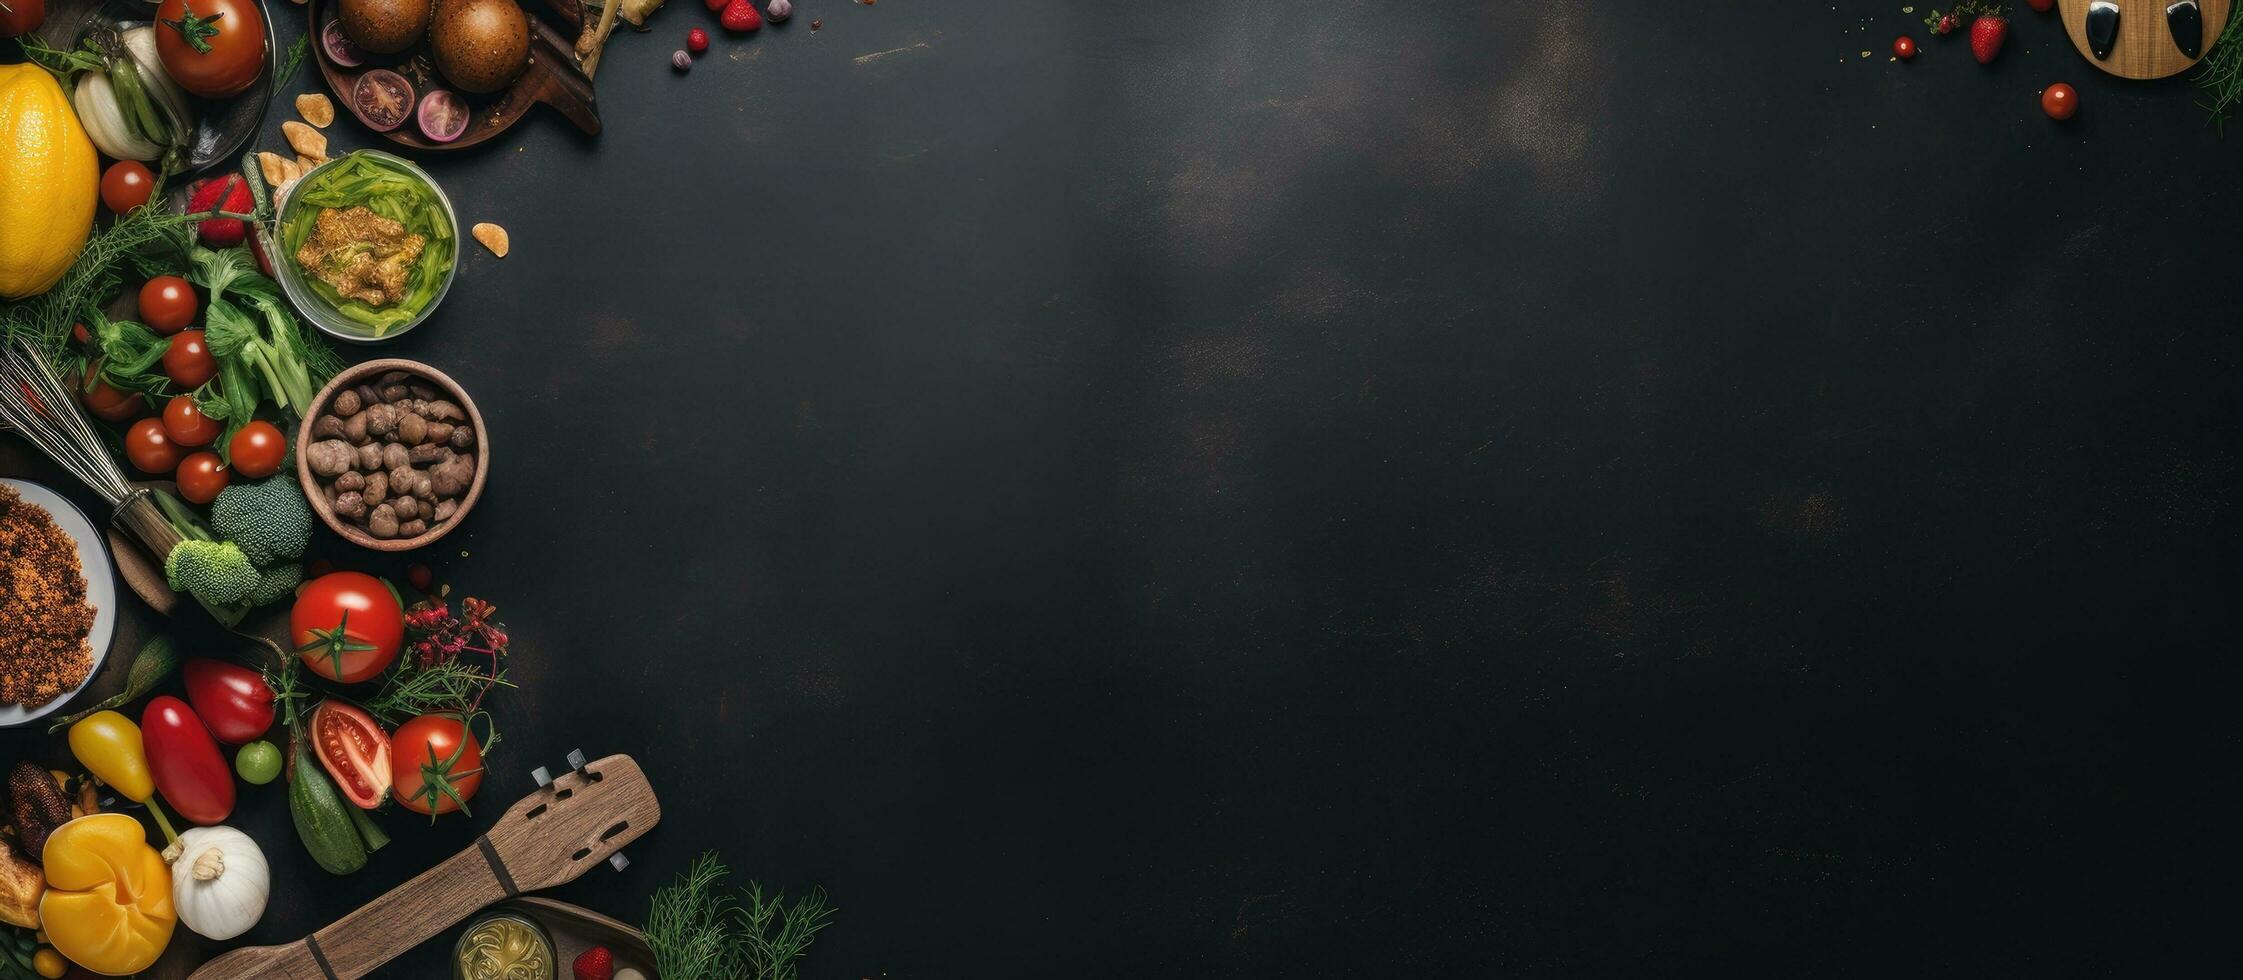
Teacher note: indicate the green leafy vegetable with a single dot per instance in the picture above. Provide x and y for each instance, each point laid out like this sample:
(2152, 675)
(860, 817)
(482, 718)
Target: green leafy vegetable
(701, 931)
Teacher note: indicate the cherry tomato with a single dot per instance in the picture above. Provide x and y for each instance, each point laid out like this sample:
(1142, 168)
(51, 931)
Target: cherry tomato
(2059, 101)
(188, 362)
(436, 765)
(126, 185)
(233, 700)
(167, 304)
(187, 425)
(212, 48)
(106, 402)
(21, 17)
(347, 626)
(1904, 47)
(257, 449)
(149, 449)
(201, 475)
(352, 749)
(190, 773)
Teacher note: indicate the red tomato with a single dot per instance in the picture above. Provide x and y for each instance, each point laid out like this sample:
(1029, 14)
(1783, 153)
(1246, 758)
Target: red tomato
(185, 423)
(190, 773)
(347, 626)
(257, 449)
(167, 304)
(107, 403)
(188, 362)
(212, 48)
(436, 765)
(149, 448)
(233, 700)
(352, 749)
(2059, 101)
(126, 185)
(1904, 47)
(201, 475)
(21, 17)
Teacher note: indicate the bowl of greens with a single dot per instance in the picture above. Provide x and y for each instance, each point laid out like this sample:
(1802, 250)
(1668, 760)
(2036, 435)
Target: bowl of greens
(366, 246)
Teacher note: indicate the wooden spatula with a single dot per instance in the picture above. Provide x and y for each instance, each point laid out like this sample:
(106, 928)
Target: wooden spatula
(549, 838)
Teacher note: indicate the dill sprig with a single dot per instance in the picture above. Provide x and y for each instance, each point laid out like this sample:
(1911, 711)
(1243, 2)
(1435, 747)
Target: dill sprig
(700, 930)
(2220, 74)
(45, 320)
(413, 690)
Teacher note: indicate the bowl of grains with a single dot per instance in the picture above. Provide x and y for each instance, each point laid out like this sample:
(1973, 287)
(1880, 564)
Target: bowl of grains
(58, 601)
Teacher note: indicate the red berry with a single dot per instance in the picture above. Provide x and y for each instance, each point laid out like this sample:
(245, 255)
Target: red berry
(595, 964)
(1986, 36)
(2059, 101)
(2040, 6)
(1904, 47)
(228, 193)
(740, 17)
(715, 5)
(697, 40)
(1946, 25)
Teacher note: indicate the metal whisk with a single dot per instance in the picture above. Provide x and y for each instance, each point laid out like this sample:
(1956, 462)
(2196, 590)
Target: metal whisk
(35, 403)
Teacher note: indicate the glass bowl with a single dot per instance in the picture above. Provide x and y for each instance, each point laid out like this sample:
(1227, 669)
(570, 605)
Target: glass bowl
(308, 300)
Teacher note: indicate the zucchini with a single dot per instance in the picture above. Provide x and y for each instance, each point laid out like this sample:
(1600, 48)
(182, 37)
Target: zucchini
(323, 817)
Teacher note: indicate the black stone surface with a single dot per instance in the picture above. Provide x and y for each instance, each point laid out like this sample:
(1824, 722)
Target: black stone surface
(1353, 489)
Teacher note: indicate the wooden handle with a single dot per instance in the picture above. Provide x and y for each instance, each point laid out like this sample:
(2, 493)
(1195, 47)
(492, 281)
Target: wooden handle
(559, 83)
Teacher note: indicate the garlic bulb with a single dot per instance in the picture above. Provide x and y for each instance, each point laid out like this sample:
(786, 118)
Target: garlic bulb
(779, 11)
(219, 881)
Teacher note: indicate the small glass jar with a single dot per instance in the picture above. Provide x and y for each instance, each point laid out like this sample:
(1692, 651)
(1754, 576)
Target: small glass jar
(504, 946)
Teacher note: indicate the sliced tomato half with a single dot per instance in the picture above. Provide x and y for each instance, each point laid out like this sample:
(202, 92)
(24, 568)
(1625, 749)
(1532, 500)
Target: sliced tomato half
(352, 748)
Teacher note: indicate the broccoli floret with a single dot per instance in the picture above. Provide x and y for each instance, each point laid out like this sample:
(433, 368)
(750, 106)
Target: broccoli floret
(268, 519)
(214, 571)
(276, 583)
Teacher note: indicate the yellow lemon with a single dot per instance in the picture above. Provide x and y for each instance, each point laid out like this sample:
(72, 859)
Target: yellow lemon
(49, 180)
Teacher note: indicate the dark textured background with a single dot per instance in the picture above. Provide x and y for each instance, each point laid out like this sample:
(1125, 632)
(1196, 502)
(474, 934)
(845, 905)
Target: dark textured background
(1437, 489)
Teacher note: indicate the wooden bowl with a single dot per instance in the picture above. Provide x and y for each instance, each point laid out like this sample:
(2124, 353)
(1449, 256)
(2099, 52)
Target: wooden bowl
(552, 77)
(359, 374)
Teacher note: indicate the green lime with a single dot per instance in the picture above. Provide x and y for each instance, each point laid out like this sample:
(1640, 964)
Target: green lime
(258, 762)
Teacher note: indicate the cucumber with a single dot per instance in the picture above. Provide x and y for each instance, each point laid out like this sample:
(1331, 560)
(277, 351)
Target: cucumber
(323, 817)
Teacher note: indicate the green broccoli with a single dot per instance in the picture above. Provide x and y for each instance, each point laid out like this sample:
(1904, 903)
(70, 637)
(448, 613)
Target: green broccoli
(268, 519)
(214, 571)
(276, 583)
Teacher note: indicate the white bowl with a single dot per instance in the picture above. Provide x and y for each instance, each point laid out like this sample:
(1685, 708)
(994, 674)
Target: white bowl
(101, 592)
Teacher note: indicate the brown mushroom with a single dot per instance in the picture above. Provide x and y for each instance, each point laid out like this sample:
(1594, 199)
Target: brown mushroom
(377, 487)
(394, 456)
(350, 505)
(329, 457)
(382, 523)
(445, 508)
(346, 403)
(444, 410)
(351, 480)
(327, 427)
(411, 429)
(407, 508)
(412, 529)
(354, 428)
(462, 437)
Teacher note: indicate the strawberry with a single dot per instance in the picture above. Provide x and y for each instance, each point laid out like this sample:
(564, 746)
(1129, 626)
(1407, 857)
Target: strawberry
(228, 193)
(595, 964)
(740, 17)
(1986, 36)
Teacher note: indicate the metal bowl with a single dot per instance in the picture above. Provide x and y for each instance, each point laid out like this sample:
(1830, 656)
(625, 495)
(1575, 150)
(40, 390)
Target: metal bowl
(223, 127)
(308, 301)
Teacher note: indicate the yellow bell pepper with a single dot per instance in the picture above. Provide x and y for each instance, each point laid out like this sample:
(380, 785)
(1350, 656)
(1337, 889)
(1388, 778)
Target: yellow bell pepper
(108, 745)
(108, 903)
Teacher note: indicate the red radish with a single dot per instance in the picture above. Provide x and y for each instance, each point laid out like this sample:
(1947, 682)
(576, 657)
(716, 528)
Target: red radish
(740, 17)
(697, 40)
(228, 193)
(1986, 36)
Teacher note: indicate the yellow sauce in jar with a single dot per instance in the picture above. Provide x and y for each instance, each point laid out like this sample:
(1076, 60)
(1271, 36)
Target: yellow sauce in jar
(504, 946)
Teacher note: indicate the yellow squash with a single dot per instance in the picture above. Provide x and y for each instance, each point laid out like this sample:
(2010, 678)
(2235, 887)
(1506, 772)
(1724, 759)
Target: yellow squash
(108, 903)
(49, 179)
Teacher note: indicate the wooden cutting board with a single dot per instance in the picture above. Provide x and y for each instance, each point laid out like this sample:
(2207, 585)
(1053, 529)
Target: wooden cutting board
(2144, 49)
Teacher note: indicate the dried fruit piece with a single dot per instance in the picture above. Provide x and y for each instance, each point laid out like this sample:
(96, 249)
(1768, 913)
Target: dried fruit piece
(308, 143)
(315, 109)
(273, 166)
(493, 237)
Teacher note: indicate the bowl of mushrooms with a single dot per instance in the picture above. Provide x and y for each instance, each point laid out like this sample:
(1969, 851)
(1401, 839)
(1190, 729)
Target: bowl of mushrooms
(392, 455)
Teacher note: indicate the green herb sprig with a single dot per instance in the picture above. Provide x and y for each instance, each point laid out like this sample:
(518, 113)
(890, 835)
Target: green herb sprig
(700, 930)
(2220, 74)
